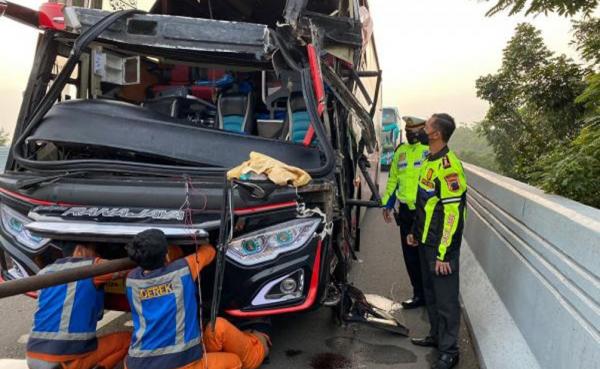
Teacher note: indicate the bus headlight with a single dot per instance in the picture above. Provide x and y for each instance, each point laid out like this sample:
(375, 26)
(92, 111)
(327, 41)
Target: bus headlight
(14, 224)
(266, 244)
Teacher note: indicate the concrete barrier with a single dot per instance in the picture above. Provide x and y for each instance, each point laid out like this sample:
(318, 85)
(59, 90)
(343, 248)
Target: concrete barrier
(530, 275)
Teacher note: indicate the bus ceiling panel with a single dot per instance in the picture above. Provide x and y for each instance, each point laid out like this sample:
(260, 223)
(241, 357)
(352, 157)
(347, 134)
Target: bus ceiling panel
(184, 34)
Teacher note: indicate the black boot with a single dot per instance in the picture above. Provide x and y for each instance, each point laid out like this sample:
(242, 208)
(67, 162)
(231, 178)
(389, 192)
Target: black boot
(413, 303)
(446, 361)
(425, 342)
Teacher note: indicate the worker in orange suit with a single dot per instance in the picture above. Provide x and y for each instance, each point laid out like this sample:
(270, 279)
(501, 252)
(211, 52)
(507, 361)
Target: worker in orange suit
(251, 346)
(64, 326)
(167, 334)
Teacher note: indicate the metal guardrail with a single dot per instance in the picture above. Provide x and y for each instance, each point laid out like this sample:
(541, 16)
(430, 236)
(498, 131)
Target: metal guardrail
(530, 277)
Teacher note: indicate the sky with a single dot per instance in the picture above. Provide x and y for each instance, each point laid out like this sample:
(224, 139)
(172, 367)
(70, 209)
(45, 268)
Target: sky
(431, 53)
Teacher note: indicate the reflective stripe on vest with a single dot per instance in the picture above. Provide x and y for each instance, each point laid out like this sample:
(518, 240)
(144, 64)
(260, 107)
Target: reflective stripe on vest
(65, 321)
(408, 160)
(165, 317)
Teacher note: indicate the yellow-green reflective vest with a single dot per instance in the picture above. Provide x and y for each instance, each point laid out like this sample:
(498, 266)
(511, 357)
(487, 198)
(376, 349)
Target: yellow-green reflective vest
(404, 175)
(441, 204)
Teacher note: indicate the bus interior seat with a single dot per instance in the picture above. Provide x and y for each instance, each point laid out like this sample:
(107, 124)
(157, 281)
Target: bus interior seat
(298, 119)
(235, 113)
(203, 84)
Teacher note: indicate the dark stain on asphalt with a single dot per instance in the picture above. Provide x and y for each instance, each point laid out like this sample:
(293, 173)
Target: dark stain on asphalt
(293, 353)
(330, 360)
(431, 357)
(372, 353)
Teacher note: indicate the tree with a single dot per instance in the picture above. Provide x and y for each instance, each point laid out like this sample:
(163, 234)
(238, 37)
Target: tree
(562, 7)
(573, 169)
(532, 102)
(3, 137)
(552, 95)
(472, 147)
(587, 40)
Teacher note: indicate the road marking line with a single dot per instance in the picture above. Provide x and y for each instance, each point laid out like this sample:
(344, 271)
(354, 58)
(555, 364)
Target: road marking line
(13, 364)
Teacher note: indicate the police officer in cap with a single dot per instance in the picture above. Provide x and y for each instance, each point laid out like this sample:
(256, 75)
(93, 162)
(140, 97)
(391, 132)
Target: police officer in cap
(402, 188)
(437, 234)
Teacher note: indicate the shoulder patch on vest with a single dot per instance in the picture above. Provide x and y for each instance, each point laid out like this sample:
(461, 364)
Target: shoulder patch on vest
(452, 182)
(427, 180)
(429, 174)
(446, 162)
(402, 156)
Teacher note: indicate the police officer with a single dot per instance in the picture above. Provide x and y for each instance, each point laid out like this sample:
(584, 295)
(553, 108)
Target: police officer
(437, 231)
(402, 186)
(64, 326)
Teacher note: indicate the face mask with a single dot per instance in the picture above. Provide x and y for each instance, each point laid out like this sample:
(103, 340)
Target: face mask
(412, 137)
(423, 138)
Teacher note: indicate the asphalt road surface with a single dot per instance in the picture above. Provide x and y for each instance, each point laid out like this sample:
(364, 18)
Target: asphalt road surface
(312, 340)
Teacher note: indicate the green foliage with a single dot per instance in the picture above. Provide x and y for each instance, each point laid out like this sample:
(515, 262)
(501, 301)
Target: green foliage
(587, 39)
(573, 169)
(562, 7)
(590, 98)
(471, 147)
(3, 137)
(532, 102)
(544, 116)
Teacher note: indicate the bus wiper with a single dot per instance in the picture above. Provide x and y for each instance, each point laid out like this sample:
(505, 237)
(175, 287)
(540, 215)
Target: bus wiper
(26, 183)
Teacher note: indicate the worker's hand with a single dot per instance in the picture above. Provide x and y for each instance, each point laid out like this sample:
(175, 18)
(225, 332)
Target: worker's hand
(411, 241)
(442, 268)
(387, 216)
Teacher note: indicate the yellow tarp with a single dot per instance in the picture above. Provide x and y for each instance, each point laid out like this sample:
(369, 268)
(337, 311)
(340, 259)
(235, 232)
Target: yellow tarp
(278, 172)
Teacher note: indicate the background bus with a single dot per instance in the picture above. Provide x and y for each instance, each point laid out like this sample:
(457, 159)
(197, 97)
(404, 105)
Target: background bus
(390, 136)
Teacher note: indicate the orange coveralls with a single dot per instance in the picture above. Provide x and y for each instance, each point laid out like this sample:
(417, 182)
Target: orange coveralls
(227, 347)
(111, 350)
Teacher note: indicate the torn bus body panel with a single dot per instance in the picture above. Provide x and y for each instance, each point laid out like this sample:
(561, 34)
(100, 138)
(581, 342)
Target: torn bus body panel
(373, 310)
(116, 126)
(347, 98)
(336, 31)
(19, 13)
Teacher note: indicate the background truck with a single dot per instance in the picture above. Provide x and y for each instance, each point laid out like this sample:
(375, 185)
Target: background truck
(391, 136)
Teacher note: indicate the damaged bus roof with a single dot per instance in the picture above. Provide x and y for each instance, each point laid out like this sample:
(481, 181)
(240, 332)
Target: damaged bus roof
(234, 42)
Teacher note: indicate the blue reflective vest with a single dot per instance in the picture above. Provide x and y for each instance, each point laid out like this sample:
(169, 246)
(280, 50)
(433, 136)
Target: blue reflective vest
(65, 321)
(164, 309)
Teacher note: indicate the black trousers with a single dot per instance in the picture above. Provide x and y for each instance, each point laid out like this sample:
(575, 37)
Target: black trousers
(441, 297)
(405, 219)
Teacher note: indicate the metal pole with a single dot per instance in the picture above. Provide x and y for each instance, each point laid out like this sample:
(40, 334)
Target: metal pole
(20, 286)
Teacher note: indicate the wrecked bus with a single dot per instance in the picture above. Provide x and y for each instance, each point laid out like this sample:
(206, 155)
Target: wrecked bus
(131, 119)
